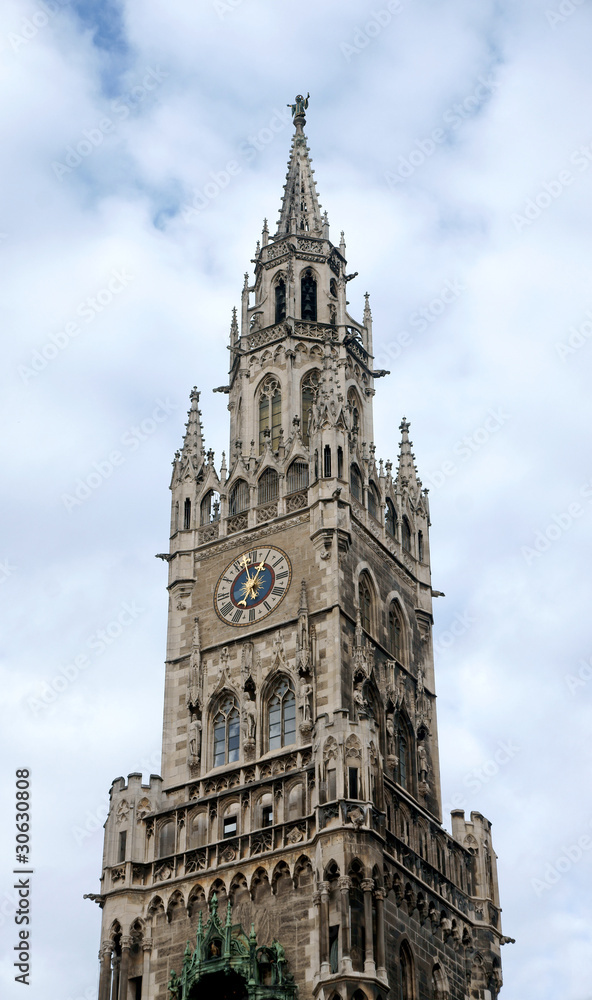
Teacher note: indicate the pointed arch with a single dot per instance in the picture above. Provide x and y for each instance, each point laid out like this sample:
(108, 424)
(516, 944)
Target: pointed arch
(366, 601)
(209, 508)
(281, 712)
(270, 412)
(175, 906)
(373, 500)
(308, 296)
(187, 514)
(268, 486)
(280, 298)
(406, 534)
(355, 482)
(281, 874)
(166, 838)
(303, 874)
(390, 518)
(196, 900)
(225, 729)
(239, 499)
(297, 476)
(407, 972)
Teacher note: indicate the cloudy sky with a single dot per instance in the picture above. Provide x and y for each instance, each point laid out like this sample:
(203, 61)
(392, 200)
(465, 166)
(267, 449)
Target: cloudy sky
(142, 146)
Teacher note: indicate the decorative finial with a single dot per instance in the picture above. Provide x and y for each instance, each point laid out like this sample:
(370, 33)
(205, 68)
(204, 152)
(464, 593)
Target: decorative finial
(298, 110)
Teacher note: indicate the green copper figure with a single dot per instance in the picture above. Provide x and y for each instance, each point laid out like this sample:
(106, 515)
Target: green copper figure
(300, 106)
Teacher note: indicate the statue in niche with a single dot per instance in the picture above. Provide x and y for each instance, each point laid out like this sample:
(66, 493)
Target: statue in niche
(360, 701)
(422, 761)
(250, 719)
(194, 740)
(306, 692)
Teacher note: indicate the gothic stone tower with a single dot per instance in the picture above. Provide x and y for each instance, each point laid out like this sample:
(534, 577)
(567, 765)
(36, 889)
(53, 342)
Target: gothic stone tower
(293, 845)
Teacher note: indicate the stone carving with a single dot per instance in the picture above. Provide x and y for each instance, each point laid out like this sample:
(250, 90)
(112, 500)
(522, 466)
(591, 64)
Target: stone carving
(228, 854)
(194, 742)
(163, 872)
(122, 811)
(306, 692)
(330, 749)
(195, 861)
(142, 809)
(296, 834)
(353, 747)
(355, 815)
(118, 874)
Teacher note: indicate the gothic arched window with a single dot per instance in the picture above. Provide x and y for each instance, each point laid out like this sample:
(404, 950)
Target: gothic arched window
(209, 509)
(390, 519)
(239, 498)
(280, 301)
(268, 486)
(373, 500)
(395, 632)
(407, 973)
(166, 839)
(406, 535)
(199, 830)
(308, 292)
(365, 600)
(327, 461)
(226, 733)
(308, 394)
(270, 413)
(355, 483)
(297, 478)
(420, 545)
(282, 716)
(187, 513)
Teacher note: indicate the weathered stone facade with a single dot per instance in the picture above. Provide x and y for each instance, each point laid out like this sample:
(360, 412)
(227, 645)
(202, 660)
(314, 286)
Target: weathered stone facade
(294, 838)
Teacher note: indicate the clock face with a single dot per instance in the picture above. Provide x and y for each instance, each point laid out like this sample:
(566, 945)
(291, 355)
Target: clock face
(252, 586)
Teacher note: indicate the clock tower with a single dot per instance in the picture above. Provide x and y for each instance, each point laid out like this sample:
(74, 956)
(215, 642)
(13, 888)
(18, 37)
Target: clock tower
(292, 846)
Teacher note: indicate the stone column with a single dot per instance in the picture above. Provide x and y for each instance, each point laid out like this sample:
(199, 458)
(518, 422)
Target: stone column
(316, 898)
(324, 929)
(369, 964)
(344, 887)
(124, 974)
(115, 979)
(105, 973)
(146, 948)
(380, 936)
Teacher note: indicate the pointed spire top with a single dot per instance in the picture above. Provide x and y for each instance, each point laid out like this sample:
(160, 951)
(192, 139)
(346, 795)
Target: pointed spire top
(407, 471)
(193, 444)
(303, 599)
(234, 334)
(367, 310)
(300, 211)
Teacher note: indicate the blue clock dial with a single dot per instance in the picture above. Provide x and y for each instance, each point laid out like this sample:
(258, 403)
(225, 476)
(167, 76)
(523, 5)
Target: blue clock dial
(252, 586)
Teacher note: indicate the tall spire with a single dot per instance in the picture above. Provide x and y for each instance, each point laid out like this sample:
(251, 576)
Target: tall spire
(193, 444)
(407, 471)
(300, 211)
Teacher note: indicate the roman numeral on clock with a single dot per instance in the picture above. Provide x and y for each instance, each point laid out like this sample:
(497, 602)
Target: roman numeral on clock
(237, 615)
(278, 591)
(227, 609)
